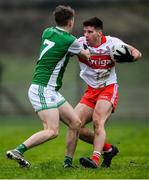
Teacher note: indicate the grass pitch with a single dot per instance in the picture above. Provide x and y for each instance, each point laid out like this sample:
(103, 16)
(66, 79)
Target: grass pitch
(131, 137)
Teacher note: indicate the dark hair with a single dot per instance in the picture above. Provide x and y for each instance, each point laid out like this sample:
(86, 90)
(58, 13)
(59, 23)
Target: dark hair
(94, 22)
(63, 14)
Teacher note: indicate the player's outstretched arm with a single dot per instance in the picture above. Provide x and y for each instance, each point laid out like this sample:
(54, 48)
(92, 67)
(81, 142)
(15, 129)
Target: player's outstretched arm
(135, 53)
(131, 54)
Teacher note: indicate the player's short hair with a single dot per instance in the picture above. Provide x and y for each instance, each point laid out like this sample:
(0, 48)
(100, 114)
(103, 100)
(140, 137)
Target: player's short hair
(63, 14)
(94, 22)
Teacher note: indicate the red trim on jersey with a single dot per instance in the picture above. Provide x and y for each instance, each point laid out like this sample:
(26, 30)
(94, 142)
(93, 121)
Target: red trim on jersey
(100, 57)
(103, 39)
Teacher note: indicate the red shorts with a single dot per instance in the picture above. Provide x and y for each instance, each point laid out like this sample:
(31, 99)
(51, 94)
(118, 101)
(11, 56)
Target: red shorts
(92, 95)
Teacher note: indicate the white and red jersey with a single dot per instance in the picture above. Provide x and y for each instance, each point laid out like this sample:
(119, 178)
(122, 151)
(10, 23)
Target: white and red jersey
(100, 69)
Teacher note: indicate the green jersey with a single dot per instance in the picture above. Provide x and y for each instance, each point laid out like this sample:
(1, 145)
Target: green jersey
(56, 47)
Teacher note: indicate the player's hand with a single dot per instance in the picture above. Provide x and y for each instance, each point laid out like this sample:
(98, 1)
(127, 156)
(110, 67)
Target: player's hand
(85, 54)
(123, 57)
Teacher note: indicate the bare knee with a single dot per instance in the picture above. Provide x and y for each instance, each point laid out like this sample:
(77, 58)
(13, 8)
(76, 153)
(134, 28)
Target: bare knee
(51, 133)
(76, 124)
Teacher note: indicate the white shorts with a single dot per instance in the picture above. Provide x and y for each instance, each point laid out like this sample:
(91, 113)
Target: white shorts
(44, 98)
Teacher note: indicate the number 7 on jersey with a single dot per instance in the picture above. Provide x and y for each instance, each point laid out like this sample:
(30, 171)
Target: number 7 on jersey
(49, 44)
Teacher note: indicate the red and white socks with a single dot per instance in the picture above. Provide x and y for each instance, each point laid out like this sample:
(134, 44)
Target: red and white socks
(96, 157)
(107, 148)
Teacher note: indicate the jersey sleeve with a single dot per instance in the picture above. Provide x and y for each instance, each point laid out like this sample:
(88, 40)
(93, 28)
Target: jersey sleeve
(82, 41)
(75, 47)
(117, 40)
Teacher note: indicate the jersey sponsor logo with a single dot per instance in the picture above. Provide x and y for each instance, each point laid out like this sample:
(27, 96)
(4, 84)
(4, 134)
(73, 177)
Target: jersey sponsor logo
(99, 62)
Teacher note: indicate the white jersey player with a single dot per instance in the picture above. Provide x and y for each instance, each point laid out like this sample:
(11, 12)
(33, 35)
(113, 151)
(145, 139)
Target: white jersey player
(99, 70)
(101, 96)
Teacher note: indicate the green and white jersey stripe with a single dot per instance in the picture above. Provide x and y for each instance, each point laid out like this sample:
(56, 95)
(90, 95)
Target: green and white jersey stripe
(56, 47)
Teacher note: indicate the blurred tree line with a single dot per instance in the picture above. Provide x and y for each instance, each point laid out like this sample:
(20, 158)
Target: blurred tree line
(22, 21)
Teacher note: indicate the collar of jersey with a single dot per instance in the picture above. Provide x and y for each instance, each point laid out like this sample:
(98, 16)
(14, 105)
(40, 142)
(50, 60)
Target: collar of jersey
(61, 29)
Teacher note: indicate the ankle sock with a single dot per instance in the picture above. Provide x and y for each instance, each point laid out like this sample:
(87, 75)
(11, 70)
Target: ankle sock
(96, 157)
(21, 148)
(107, 147)
(68, 160)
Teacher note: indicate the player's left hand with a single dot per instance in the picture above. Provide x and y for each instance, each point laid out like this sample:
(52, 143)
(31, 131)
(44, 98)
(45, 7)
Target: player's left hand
(123, 57)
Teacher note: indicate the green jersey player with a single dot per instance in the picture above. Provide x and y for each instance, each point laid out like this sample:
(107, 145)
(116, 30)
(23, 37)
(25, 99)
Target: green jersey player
(56, 47)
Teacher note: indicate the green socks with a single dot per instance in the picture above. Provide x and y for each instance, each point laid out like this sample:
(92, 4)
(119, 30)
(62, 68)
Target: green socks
(68, 160)
(21, 148)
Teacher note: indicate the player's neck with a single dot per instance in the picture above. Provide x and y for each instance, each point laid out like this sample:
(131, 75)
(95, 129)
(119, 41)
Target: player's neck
(96, 43)
(64, 28)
